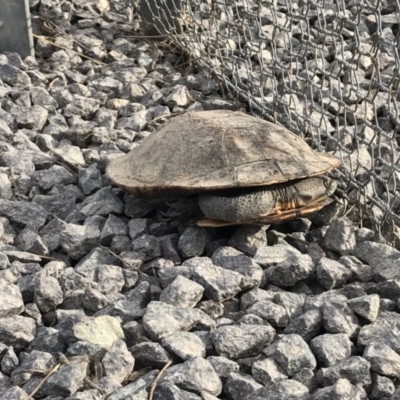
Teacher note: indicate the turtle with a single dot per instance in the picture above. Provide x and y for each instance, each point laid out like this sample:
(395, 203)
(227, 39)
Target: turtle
(222, 167)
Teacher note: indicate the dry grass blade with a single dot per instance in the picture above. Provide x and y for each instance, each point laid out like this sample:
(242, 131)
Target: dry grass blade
(154, 384)
(67, 49)
(49, 374)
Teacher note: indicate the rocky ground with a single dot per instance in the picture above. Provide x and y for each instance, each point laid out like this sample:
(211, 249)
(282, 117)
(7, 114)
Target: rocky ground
(101, 299)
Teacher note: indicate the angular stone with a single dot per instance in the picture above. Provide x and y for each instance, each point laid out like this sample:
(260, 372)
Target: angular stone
(17, 331)
(267, 371)
(273, 313)
(382, 387)
(383, 359)
(287, 389)
(182, 292)
(248, 239)
(31, 242)
(341, 390)
(232, 259)
(373, 253)
(331, 274)
(331, 349)
(118, 362)
(337, 317)
(47, 293)
(366, 306)
(354, 369)
(163, 319)
(307, 325)
(103, 202)
(241, 341)
(195, 375)
(340, 236)
(102, 331)
(185, 345)
(271, 255)
(290, 271)
(77, 240)
(148, 354)
(11, 300)
(292, 353)
(192, 241)
(240, 385)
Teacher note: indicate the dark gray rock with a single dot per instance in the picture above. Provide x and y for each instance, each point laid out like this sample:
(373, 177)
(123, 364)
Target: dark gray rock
(383, 359)
(331, 274)
(307, 325)
(13, 76)
(273, 313)
(239, 385)
(9, 362)
(77, 240)
(118, 362)
(168, 391)
(337, 317)
(192, 241)
(341, 390)
(248, 239)
(290, 271)
(36, 360)
(137, 390)
(17, 331)
(233, 260)
(31, 242)
(366, 306)
(53, 175)
(182, 292)
(162, 319)
(195, 375)
(47, 293)
(387, 269)
(219, 283)
(373, 253)
(240, 341)
(292, 353)
(136, 207)
(287, 389)
(34, 118)
(307, 377)
(147, 246)
(355, 369)
(292, 302)
(103, 202)
(89, 180)
(148, 354)
(113, 227)
(138, 227)
(382, 387)
(271, 255)
(185, 345)
(24, 213)
(223, 366)
(11, 300)
(331, 349)
(267, 371)
(385, 329)
(340, 236)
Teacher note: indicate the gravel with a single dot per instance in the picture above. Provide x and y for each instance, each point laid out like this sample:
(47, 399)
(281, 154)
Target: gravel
(98, 289)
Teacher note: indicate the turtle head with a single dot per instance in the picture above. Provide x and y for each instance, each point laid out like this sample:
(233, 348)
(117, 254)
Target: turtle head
(312, 190)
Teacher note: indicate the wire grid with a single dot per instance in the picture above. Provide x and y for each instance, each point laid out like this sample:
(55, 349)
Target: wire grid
(327, 70)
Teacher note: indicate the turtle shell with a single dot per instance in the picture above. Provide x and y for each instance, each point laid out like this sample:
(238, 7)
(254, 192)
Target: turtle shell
(215, 150)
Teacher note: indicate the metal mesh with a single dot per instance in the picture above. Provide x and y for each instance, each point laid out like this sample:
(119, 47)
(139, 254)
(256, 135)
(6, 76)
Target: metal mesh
(327, 70)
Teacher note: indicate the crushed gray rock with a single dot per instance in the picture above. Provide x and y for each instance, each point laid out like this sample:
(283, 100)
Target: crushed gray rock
(303, 310)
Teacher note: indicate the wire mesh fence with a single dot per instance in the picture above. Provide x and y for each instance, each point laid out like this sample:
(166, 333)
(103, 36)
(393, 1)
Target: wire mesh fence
(326, 69)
